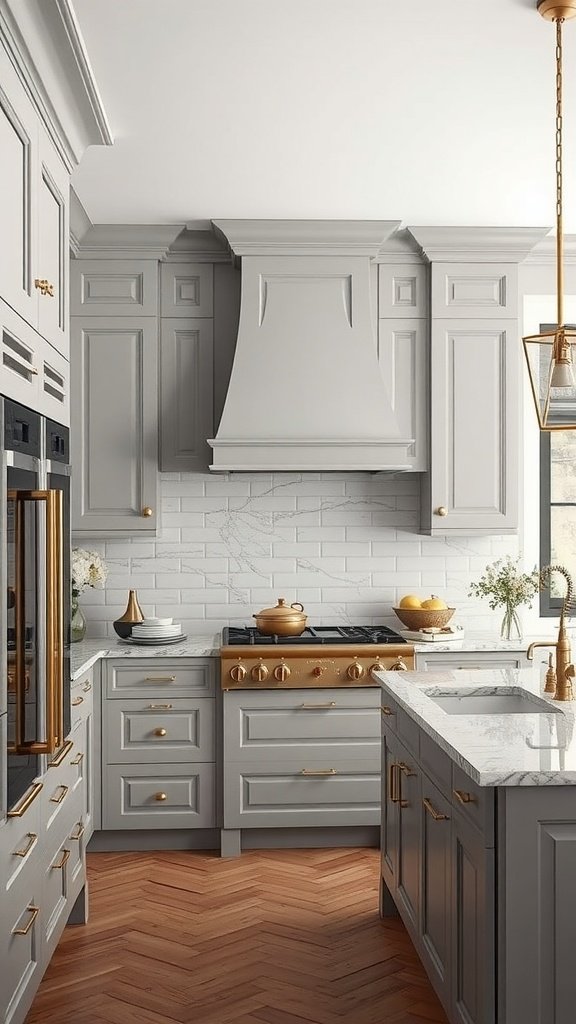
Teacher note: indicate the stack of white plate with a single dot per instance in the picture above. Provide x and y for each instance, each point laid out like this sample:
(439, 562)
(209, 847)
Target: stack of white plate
(157, 631)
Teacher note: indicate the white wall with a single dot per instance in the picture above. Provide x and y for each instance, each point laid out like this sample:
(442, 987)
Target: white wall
(346, 545)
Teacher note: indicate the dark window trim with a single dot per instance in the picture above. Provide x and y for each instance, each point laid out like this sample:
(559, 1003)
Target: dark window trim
(549, 606)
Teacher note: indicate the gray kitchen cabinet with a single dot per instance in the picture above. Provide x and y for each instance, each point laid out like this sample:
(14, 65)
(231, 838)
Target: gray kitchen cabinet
(389, 824)
(472, 925)
(159, 796)
(53, 246)
(455, 661)
(407, 794)
(113, 288)
(435, 922)
(114, 426)
(187, 290)
(187, 393)
(32, 372)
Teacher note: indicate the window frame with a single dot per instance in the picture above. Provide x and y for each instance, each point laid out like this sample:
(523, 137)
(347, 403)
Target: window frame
(549, 606)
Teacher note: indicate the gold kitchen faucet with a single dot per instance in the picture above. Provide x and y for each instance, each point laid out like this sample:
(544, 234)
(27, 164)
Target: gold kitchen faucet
(565, 670)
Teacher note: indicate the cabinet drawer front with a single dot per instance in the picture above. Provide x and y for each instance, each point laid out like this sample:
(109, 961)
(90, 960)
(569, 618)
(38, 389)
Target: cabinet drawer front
(59, 798)
(137, 732)
(475, 803)
(187, 289)
(20, 947)
(165, 796)
(279, 795)
(20, 845)
(469, 662)
(54, 889)
(159, 680)
(294, 724)
(121, 288)
(81, 699)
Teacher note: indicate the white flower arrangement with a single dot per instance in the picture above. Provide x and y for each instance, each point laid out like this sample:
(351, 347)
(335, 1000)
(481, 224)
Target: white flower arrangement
(88, 570)
(506, 586)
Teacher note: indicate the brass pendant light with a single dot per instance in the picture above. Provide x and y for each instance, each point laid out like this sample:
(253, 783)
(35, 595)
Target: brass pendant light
(551, 356)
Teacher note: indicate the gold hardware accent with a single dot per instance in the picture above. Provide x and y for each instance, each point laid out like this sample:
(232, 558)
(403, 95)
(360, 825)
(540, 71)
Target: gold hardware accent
(377, 667)
(62, 863)
(80, 830)
(441, 511)
(260, 673)
(61, 755)
(318, 670)
(160, 796)
(25, 802)
(160, 679)
(44, 286)
(432, 810)
(58, 799)
(313, 707)
(405, 768)
(33, 370)
(76, 701)
(147, 512)
(550, 677)
(238, 673)
(87, 687)
(355, 670)
(463, 797)
(133, 613)
(399, 665)
(318, 771)
(24, 931)
(386, 710)
(553, 10)
(282, 620)
(564, 668)
(468, 668)
(159, 707)
(159, 732)
(78, 759)
(281, 672)
(32, 840)
(393, 783)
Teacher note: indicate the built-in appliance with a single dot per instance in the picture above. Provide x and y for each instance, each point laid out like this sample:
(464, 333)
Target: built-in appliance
(320, 656)
(35, 589)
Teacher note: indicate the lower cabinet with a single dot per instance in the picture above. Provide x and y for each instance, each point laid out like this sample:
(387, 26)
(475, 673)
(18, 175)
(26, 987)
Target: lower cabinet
(437, 864)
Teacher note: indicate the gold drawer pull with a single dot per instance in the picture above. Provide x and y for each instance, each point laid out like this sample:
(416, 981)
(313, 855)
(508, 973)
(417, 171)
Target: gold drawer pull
(312, 707)
(159, 732)
(58, 799)
(470, 668)
(24, 931)
(80, 830)
(25, 802)
(386, 710)
(463, 797)
(61, 863)
(87, 687)
(159, 707)
(78, 759)
(432, 810)
(32, 840)
(76, 701)
(160, 679)
(61, 755)
(46, 288)
(318, 771)
(160, 797)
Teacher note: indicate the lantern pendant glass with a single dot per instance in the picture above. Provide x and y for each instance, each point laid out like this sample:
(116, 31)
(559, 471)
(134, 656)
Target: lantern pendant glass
(550, 357)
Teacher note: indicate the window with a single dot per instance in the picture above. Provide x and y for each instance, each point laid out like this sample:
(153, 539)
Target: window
(557, 510)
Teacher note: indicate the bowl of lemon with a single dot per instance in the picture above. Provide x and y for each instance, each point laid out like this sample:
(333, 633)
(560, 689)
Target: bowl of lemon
(431, 613)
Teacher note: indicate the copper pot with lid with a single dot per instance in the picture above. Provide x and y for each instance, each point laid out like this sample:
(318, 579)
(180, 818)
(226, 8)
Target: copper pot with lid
(283, 619)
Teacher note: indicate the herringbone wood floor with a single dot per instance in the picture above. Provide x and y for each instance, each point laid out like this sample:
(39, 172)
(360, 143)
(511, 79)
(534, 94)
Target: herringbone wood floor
(273, 937)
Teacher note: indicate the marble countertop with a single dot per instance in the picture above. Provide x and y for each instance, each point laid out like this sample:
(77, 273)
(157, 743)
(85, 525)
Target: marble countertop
(493, 749)
(86, 653)
(476, 642)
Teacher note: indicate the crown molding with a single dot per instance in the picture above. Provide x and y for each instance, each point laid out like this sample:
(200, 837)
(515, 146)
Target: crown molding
(80, 222)
(45, 45)
(127, 241)
(305, 237)
(544, 254)
(477, 244)
(198, 245)
(400, 248)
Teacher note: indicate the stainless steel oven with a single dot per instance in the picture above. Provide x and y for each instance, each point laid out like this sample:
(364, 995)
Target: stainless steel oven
(35, 584)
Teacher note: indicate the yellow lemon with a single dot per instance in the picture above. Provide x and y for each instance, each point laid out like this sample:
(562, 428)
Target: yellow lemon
(411, 601)
(434, 604)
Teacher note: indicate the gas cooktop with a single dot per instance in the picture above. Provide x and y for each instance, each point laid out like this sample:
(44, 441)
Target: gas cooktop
(248, 636)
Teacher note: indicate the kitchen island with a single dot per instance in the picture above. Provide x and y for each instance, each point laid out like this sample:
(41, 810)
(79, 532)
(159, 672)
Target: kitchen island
(479, 839)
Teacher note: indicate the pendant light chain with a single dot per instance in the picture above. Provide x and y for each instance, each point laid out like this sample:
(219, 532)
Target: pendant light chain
(559, 222)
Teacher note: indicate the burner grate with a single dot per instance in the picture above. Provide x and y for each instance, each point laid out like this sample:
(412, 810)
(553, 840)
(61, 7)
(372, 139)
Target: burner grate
(248, 636)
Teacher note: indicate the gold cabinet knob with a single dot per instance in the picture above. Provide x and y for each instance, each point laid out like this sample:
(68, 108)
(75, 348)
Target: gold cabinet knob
(281, 672)
(441, 511)
(355, 671)
(238, 673)
(260, 673)
(147, 512)
(160, 797)
(159, 732)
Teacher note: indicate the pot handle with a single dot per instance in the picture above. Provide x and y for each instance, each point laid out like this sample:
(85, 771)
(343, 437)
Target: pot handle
(297, 606)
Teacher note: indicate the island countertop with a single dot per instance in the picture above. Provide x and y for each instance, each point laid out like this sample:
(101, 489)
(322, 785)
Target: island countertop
(534, 749)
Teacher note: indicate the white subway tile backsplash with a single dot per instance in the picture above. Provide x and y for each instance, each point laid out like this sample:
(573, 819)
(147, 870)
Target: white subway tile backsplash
(344, 544)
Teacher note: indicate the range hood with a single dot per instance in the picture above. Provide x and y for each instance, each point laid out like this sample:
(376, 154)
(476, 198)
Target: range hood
(306, 391)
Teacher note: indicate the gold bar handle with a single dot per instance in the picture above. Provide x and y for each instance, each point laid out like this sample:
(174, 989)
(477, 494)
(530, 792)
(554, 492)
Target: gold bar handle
(318, 771)
(61, 863)
(393, 784)
(32, 840)
(78, 759)
(58, 799)
(160, 679)
(159, 707)
(24, 931)
(76, 701)
(386, 710)
(25, 802)
(80, 830)
(463, 797)
(432, 811)
(87, 687)
(61, 755)
(320, 707)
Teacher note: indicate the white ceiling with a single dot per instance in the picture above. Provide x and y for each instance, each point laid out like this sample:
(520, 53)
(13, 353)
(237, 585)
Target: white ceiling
(433, 112)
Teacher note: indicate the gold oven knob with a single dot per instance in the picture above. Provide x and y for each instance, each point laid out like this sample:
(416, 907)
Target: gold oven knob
(318, 670)
(355, 671)
(238, 673)
(281, 672)
(377, 667)
(260, 673)
(147, 512)
(398, 666)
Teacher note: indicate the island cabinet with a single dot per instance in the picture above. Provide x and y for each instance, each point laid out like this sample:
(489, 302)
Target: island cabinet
(437, 856)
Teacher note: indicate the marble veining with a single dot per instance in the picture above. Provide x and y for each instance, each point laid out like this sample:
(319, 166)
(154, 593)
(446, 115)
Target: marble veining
(493, 749)
(88, 652)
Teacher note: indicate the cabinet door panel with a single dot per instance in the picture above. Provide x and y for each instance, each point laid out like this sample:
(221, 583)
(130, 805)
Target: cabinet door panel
(436, 874)
(476, 290)
(113, 288)
(389, 821)
(187, 390)
(53, 243)
(114, 418)
(187, 289)
(402, 354)
(20, 358)
(409, 836)
(472, 921)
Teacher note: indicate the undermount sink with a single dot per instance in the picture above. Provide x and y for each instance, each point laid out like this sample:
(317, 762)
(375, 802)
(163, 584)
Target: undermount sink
(505, 700)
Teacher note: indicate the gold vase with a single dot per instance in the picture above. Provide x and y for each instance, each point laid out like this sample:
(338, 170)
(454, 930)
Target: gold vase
(132, 615)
